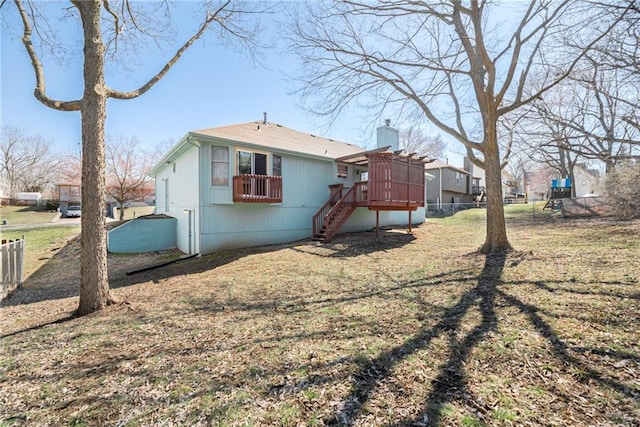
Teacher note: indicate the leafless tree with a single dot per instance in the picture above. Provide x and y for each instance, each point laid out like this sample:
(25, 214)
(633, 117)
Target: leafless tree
(519, 167)
(415, 140)
(26, 161)
(545, 140)
(460, 64)
(128, 166)
(111, 30)
(70, 170)
(621, 49)
(592, 115)
(589, 109)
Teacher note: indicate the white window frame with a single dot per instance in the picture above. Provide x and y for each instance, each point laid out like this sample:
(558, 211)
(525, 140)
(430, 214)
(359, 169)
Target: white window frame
(214, 163)
(253, 165)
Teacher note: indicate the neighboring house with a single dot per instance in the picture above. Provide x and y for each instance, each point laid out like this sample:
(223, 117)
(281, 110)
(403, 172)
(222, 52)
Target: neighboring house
(454, 185)
(29, 198)
(450, 185)
(139, 197)
(586, 180)
(69, 194)
(4, 190)
(262, 183)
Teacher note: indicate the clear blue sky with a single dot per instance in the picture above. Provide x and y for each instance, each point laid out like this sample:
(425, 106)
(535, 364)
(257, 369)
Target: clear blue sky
(210, 86)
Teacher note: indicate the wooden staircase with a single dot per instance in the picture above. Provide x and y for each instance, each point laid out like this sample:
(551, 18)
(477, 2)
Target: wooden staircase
(333, 215)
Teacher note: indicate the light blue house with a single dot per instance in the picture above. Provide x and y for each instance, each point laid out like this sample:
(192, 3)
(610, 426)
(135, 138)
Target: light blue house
(262, 183)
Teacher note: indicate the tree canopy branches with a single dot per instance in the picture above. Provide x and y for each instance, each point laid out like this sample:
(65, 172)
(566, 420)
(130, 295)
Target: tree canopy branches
(461, 65)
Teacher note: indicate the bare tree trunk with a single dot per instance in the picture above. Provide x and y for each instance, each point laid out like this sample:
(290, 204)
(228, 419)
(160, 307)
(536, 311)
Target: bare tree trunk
(496, 240)
(94, 285)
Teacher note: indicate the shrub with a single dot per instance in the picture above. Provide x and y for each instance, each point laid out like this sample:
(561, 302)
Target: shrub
(622, 185)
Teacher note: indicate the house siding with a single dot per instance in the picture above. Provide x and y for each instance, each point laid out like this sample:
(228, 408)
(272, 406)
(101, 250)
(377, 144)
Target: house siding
(228, 225)
(305, 186)
(217, 223)
(181, 179)
(451, 187)
(238, 226)
(243, 225)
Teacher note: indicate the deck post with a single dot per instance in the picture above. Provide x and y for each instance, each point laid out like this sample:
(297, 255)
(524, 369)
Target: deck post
(410, 222)
(377, 222)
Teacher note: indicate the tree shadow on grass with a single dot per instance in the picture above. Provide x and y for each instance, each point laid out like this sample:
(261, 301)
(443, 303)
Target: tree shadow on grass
(451, 384)
(59, 277)
(354, 244)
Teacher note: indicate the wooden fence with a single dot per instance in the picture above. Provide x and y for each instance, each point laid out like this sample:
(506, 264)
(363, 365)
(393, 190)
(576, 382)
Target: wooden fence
(588, 206)
(11, 265)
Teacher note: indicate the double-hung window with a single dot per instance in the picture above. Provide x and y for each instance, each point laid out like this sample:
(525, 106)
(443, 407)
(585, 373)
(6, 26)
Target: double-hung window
(219, 166)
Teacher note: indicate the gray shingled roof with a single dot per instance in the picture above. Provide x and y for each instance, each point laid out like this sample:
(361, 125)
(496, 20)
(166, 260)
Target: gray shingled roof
(437, 164)
(278, 137)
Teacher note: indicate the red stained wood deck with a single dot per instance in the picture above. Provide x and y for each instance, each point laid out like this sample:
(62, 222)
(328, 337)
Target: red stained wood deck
(395, 183)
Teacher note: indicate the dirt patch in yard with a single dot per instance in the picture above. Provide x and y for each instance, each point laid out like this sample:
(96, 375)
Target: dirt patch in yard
(403, 329)
(59, 277)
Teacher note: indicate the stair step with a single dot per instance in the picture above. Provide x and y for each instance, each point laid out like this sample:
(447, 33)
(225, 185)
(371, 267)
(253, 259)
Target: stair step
(338, 218)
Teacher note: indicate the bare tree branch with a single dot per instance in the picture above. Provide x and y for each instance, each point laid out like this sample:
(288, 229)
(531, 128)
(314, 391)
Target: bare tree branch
(94, 285)
(155, 79)
(40, 89)
(449, 60)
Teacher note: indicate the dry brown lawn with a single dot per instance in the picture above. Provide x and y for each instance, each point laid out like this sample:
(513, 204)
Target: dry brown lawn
(398, 330)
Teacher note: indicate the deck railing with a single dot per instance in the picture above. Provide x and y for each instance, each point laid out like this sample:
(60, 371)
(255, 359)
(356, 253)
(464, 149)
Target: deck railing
(257, 189)
(318, 218)
(361, 193)
(477, 189)
(336, 211)
(340, 212)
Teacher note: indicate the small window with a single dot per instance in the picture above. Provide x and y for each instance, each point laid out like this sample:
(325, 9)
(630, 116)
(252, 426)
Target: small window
(219, 166)
(166, 194)
(343, 171)
(276, 169)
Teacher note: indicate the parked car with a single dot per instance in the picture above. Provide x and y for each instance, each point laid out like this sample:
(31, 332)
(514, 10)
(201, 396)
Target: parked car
(74, 212)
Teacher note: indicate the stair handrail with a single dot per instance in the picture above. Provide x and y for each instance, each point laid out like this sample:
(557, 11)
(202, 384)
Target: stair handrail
(318, 218)
(332, 226)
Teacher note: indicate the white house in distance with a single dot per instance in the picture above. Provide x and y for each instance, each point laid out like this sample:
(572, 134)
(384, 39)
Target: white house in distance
(262, 183)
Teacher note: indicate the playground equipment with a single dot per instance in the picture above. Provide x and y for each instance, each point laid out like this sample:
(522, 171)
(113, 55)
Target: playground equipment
(560, 189)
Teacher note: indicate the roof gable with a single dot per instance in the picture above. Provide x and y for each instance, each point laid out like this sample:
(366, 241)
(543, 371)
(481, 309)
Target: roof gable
(437, 164)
